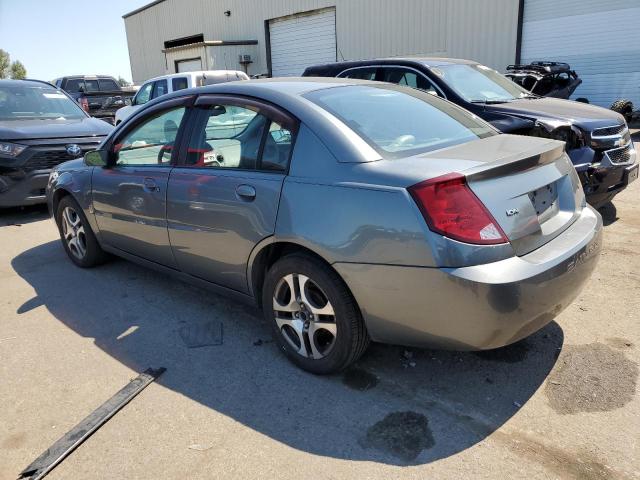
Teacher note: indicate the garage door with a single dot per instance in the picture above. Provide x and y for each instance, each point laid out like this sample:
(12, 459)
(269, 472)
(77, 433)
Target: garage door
(191, 65)
(301, 40)
(600, 40)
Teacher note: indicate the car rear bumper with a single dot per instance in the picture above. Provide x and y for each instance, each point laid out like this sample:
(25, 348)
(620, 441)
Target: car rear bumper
(20, 188)
(479, 307)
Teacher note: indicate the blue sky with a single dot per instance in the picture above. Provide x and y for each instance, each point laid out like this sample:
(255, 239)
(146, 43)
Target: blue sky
(66, 37)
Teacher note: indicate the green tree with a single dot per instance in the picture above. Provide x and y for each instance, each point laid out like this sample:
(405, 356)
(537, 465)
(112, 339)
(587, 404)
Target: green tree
(5, 61)
(18, 71)
(122, 82)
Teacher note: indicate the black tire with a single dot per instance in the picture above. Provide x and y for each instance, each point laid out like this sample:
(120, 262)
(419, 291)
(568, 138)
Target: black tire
(582, 100)
(93, 253)
(623, 107)
(351, 339)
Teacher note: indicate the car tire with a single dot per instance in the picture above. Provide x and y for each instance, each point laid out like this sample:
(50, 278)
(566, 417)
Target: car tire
(582, 100)
(303, 326)
(623, 107)
(76, 234)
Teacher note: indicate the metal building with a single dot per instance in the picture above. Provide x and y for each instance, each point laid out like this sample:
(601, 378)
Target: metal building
(600, 40)
(282, 37)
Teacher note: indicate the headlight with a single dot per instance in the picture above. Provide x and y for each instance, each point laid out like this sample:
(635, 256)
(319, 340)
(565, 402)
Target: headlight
(11, 149)
(571, 135)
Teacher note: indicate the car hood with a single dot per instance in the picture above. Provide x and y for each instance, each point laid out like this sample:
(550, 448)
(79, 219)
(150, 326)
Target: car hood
(37, 129)
(557, 111)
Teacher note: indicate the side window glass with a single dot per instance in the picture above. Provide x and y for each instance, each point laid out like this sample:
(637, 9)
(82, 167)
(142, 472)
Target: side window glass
(91, 85)
(361, 73)
(409, 78)
(228, 136)
(107, 84)
(277, 148)
(150, 143)
(179, 83)
(144, 94)
(159, 89)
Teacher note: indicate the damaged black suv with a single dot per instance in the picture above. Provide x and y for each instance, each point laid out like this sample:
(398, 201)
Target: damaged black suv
(597, 140)
(40, 127)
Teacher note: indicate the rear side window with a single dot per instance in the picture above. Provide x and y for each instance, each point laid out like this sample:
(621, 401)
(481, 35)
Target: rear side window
(400, 123)
(179, 83)
(367, 73)
(108, 84)
(408, 78)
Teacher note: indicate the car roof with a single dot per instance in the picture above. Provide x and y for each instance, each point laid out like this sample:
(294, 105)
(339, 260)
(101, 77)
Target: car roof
(16, 83)
(194, 73)
(408, 60)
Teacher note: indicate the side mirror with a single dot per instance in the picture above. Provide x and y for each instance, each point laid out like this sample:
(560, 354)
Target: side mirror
(96, 158)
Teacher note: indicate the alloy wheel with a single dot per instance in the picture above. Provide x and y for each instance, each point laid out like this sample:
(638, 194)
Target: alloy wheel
(73, 233)
(304, 315)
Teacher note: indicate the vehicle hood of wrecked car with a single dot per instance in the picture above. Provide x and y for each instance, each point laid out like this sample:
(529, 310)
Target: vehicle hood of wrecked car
(558, 111)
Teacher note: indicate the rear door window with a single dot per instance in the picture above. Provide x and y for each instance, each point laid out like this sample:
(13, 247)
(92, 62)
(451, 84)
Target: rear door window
(108, 84)
(365, 73)
(179, 83)
(408, 78)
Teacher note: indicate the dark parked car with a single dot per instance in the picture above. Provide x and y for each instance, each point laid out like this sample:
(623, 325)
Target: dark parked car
(40, 127)
(547, 79)
(99, 96)
(597, 140)
(349, 210)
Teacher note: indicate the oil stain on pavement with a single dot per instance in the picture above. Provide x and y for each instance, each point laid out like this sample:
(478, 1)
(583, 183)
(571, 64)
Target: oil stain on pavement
(591, 378)
(401, 434)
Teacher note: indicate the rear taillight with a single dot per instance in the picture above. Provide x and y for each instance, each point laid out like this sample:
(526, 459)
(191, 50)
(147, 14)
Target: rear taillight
(84, 103)
(452, 209)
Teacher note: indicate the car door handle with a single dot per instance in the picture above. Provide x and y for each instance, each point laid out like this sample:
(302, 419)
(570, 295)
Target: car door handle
(247, 192)
(150, 185)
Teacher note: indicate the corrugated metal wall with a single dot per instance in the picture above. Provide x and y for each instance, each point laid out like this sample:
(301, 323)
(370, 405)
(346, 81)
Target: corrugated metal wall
(483, 30)
(600, 40)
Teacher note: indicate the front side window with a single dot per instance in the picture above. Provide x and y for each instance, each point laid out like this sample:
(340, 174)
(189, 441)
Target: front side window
(479, 84)
(408, 78)
(151, 142)
(144, 94)
(38, 102)
(160, 88)
(179, 83)
(400, 123)
(240, 137)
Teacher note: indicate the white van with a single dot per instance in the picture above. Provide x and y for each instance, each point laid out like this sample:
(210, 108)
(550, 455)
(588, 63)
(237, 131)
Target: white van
(176, 81)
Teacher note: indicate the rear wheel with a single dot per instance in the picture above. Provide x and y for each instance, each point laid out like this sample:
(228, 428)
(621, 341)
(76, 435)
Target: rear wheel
(624, 108)
(315, 319)
(78, 239)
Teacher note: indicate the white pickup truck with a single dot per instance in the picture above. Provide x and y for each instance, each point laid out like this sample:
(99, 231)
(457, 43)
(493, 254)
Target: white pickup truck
(164, 84)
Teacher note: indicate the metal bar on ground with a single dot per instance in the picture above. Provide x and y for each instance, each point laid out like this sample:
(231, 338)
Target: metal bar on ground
(51, 457)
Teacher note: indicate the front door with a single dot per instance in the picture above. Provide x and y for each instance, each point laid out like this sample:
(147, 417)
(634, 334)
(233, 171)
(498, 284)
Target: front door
(129, 195)
(223, 199)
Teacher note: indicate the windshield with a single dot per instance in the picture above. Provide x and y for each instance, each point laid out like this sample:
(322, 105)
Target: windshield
(28, 101)
(399, 121)
(480, 84)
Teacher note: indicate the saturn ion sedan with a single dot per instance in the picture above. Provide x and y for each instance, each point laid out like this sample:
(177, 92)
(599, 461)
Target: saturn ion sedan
(350, 211)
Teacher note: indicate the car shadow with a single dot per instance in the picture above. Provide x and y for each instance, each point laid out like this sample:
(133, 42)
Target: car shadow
(396, 406)
(22, 215)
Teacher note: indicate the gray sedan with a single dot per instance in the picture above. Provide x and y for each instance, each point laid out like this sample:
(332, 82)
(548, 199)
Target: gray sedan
(350, 211)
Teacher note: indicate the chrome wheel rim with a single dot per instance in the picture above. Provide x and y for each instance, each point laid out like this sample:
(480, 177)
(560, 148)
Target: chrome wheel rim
(73, 233)
(304, 315)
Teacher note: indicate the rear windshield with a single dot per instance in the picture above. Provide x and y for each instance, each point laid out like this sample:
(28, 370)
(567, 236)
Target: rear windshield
(36, 102)
(400, 122)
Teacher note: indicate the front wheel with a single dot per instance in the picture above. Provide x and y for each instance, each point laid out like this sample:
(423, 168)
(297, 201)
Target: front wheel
(315, 319)
(78, 239)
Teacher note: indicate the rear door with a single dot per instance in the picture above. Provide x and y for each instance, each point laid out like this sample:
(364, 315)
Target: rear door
(223, 196)
(129, 195)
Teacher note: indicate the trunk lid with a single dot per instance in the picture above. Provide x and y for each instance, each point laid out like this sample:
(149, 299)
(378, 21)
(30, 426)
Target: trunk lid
(528, 184)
